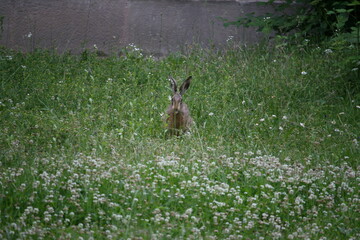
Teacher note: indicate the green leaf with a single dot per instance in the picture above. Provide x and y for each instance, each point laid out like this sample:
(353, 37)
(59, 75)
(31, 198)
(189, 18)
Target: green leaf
(341, 10)
(354, 3)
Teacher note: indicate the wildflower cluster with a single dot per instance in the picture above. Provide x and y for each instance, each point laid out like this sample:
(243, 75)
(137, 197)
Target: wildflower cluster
(132, 51)
(213, 197)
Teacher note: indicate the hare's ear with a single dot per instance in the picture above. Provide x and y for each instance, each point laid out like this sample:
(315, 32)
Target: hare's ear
(173, 84)
(185, 85)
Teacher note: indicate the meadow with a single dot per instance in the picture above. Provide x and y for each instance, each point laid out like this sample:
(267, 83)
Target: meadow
(274, 152)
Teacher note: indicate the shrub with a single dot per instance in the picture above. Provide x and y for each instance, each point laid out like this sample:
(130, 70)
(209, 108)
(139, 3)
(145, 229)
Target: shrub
(332, 23)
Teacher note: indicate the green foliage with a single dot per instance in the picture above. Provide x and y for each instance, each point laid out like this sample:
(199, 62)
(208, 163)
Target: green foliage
(333, 23)
(307, 19)
(83, 154)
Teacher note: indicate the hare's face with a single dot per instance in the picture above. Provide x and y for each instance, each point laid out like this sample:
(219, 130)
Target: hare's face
(176, 102)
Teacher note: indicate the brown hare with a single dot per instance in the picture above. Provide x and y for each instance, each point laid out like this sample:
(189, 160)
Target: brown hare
(178, 118)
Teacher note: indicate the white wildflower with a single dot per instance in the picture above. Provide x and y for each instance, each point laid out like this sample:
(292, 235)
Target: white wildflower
(229, 38)
(328, 51)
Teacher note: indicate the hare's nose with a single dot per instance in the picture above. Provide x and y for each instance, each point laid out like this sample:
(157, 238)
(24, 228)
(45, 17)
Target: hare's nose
(176, 105)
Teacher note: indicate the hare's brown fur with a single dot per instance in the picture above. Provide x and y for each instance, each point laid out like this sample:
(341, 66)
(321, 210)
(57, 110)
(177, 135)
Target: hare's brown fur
(178, 115)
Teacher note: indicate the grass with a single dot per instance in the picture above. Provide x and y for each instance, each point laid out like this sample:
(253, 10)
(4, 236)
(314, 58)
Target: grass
(274, 153)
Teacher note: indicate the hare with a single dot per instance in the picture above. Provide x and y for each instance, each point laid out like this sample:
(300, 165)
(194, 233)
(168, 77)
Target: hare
(178, 115)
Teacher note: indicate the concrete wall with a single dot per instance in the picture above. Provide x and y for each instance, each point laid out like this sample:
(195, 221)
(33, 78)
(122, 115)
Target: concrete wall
(157, 26)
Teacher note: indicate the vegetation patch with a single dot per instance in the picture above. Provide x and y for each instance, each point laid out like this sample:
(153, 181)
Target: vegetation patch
(273, 152)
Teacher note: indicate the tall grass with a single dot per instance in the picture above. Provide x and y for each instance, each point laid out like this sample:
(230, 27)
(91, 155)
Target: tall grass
(274, 152)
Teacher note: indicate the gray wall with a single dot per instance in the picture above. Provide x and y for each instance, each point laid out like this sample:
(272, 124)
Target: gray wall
(157, 26)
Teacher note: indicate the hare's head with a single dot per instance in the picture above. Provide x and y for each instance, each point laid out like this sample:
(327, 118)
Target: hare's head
(176, 100)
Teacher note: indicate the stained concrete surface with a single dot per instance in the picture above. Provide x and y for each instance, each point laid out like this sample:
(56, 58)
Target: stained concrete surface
(156, 26)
